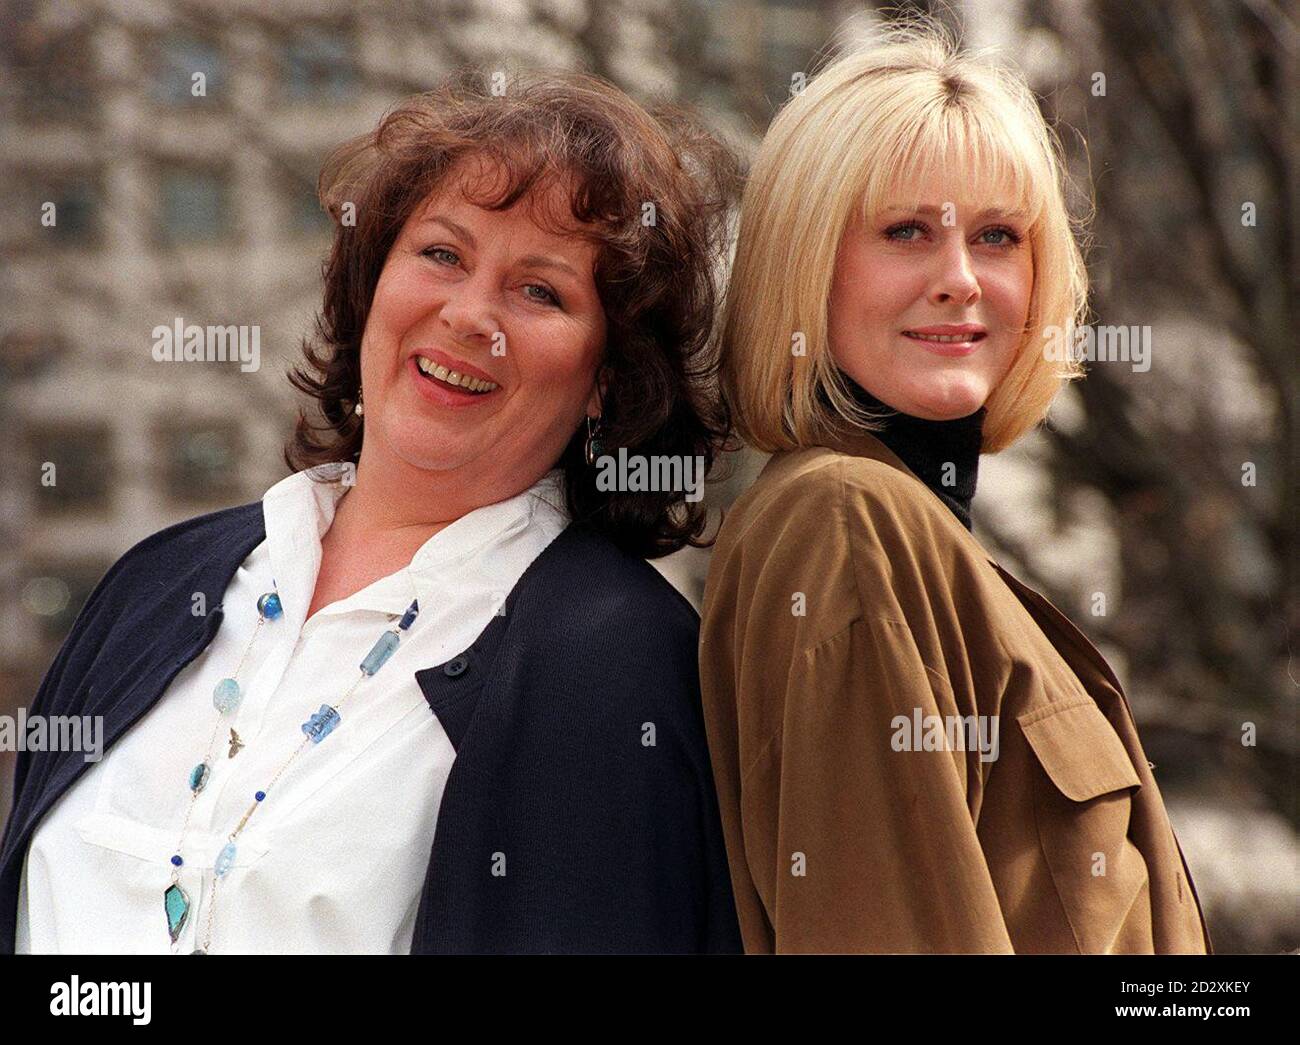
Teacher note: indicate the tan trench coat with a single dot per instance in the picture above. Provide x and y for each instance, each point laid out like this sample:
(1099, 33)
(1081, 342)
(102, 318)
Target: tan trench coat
(845, 606)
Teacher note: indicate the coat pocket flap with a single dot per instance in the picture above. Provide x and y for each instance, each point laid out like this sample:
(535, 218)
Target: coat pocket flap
(1078, 749)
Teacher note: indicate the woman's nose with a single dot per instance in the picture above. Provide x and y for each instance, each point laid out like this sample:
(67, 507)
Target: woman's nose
(470, 309)
(954, 278)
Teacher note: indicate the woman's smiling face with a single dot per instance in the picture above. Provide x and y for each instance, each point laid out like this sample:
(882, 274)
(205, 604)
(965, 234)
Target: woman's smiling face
(492, 298)
(929, 302)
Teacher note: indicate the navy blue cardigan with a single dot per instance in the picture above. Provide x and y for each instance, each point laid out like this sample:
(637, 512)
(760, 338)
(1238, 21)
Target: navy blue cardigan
(609, 844)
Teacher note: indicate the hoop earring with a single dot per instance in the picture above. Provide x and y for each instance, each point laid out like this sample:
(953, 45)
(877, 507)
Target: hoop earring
(595, 447)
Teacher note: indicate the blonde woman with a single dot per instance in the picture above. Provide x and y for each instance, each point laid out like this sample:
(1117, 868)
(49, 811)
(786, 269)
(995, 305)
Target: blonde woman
(914, 752)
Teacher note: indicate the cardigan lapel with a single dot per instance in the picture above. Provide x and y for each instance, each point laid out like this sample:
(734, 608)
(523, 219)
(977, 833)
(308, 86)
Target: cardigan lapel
(122, 698)
(453, 687)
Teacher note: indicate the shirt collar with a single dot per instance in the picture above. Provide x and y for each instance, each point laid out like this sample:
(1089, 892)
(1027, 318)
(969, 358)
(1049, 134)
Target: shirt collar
(300, 509)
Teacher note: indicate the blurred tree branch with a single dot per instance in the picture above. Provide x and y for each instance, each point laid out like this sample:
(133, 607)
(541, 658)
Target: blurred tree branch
(1194, 123)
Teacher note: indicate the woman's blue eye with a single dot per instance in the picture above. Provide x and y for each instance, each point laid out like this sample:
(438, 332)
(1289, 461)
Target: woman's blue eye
(893, 232)
(1010, 238)
(445, 256)
(911, 231)
(547, 296)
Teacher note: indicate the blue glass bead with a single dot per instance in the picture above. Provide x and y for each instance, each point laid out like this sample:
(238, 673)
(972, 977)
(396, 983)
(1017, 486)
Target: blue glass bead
(269, 605)
(225, 860)
(199, 777)
(321, 724)
(177, 906)
(177, 861)
(226, 697)
(260, 795)
(383, 649)
(408, 618)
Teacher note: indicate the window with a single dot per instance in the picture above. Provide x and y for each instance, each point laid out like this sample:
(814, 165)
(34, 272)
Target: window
(177, 58)
(304, 215)
(71, 466)
(26, 353)
(76, 198)
(194, 204)
(317, 63)
(52, 70)
(201, 460)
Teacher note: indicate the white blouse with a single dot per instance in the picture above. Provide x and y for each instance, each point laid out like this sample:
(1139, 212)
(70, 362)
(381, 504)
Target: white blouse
(334, 859)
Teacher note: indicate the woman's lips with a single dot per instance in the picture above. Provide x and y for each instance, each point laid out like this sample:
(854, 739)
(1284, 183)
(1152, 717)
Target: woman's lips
(957, 343)
(443, 394)
(439, 358)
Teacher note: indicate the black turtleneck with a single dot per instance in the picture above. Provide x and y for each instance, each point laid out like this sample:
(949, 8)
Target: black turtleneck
(926, 446)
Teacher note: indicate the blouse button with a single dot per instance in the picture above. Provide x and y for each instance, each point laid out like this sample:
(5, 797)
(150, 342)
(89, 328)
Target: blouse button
(455, 667)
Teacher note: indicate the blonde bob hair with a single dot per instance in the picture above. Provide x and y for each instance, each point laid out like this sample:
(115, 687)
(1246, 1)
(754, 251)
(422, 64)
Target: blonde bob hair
(868, 125)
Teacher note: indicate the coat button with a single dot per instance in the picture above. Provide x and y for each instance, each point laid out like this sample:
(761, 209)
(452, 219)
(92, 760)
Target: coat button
(455, 667)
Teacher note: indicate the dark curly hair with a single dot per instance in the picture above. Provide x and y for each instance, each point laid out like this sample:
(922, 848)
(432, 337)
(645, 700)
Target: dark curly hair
(657, 281)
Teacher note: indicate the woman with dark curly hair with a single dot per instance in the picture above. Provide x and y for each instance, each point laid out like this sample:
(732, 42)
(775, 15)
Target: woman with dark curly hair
(451, 707)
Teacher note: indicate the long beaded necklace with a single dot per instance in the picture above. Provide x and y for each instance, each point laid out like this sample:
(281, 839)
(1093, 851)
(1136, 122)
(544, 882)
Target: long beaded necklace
(226, 698)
